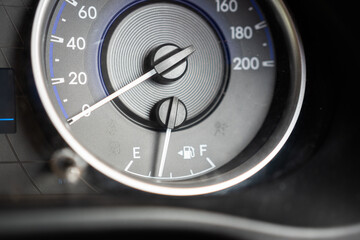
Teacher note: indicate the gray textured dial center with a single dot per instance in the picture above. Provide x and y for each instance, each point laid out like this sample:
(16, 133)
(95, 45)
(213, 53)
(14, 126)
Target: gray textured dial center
(132, 37)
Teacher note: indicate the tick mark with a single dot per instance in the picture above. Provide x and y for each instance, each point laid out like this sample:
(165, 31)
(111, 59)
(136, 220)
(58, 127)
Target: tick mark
(270, 63)
(261, 25)
(128, 166)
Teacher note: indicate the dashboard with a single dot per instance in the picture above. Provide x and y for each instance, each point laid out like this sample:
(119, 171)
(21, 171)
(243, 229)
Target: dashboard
(216, 119)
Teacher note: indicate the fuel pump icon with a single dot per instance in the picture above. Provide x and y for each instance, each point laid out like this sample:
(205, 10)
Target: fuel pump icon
(187, 152)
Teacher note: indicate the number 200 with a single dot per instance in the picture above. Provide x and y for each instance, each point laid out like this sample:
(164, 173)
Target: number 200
(246, 63)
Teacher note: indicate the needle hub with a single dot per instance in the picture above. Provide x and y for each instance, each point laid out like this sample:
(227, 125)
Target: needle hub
(171, 113)
(172, 74)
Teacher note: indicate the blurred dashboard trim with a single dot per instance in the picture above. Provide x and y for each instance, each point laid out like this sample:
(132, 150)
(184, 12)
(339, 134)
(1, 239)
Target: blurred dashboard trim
(155, 218)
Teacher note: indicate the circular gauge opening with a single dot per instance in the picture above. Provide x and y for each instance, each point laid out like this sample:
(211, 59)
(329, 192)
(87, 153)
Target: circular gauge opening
(118, 81)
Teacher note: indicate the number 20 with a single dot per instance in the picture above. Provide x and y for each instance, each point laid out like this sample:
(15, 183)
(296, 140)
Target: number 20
(77, 79)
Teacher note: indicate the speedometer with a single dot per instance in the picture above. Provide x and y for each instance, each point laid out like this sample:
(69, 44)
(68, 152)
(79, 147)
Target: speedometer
(171, 97)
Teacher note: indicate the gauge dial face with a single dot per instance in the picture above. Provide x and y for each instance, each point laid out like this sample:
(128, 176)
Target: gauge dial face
(167, 96)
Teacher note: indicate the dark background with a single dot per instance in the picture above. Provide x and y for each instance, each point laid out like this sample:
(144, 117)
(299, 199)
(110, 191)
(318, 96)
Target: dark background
(313, 182)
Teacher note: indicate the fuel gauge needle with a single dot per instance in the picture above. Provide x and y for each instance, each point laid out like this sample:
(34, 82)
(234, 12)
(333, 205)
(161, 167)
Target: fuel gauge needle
(164, 151)
(171, 113)
(159, 68)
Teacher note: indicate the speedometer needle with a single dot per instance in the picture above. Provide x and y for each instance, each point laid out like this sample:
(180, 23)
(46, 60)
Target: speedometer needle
(159, 68)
